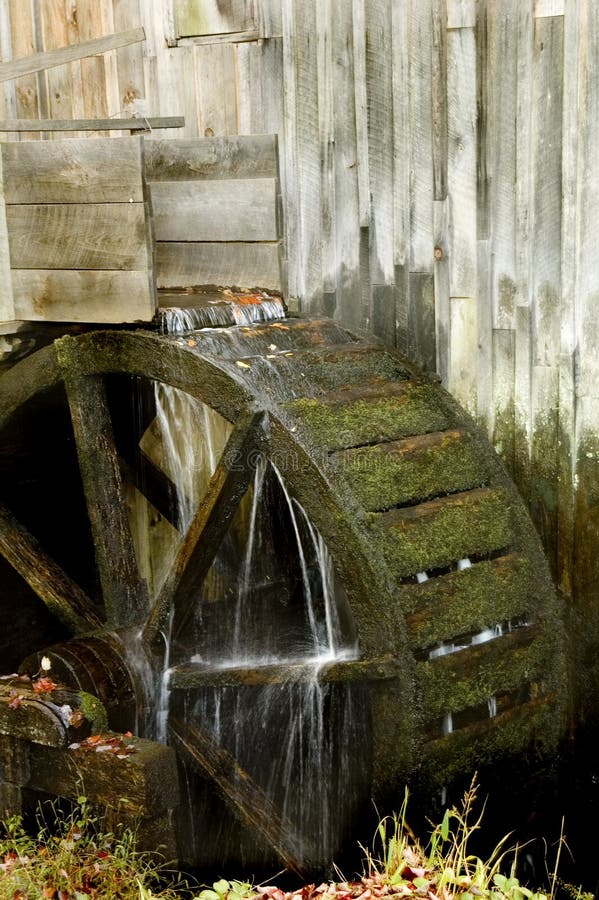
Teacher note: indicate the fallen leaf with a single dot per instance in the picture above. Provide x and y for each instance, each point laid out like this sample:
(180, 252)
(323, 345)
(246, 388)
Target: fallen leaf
(44, 686)
(16, 700)
(76, 719)
(241, 364)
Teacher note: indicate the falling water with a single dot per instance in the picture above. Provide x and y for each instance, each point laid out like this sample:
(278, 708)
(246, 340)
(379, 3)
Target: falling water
(220, 313)
(270, 599)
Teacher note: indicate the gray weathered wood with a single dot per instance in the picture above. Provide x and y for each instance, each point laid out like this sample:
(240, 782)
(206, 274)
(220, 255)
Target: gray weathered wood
(246, 156)
(7, 305)
(41, 61)
(439, 98)
(83, 295)
(77, 236)
(211, 17)
(104, 170)
(462, 162)
(242, 265)
(141, 124)
(463, 347)
(229, 210)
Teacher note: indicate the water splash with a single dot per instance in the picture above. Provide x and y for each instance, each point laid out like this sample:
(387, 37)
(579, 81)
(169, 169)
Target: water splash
(220, 313)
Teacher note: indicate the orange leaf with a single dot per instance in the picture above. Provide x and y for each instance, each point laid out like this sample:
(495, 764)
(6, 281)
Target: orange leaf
(44, 686)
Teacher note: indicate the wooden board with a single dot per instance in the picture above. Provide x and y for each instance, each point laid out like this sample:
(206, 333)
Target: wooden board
(240, 264)
(247, 156)
(230, 210)
(105, 170)
(40, 61)
(54, 295)
(212, 17)
(77, 236)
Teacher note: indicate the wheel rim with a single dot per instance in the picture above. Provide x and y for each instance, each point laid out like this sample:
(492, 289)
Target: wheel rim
(398, 680)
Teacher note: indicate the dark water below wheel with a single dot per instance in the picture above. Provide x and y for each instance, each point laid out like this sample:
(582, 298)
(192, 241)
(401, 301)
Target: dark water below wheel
(284, 551)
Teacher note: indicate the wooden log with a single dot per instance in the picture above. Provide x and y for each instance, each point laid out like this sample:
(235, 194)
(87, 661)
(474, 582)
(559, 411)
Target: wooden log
(247, 799)
(140, 124)
(63, 597)
(195, 675)
(38, 62)
(125, 596)
(142, 783)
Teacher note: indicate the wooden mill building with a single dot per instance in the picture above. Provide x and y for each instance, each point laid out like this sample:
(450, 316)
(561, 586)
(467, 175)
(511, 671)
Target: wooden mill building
(439, 186)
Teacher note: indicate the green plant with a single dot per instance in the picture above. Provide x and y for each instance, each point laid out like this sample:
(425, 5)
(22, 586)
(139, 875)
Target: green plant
(446, 868)
(74, 860)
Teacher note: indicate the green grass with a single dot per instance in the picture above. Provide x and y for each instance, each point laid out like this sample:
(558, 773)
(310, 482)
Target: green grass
(78, 860)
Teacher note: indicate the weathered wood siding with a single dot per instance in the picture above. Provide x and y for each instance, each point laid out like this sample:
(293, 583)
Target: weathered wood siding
(440, 187)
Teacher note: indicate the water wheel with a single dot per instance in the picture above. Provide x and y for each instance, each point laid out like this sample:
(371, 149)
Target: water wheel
(448, 652)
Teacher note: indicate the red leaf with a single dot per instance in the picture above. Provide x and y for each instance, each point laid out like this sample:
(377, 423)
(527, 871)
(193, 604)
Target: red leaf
(16, 702)
(44, 686)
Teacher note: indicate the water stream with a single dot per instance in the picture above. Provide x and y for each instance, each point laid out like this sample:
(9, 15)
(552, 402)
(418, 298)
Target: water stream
(272, 612)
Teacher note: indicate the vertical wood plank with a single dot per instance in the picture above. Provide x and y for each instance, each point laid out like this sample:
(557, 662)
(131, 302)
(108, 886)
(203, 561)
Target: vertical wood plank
(421, 320)
(503, 394)
(361, 102)
(289, 146)
(401, 168)
(7, 303)
(573, 57)
(326, 130)
(462, 351)
(309, 156)
(586, 562)
(439, 98)
(420, 114)
(441, 284)
(215, 73)
(23, 44)
(347, 211)
(129, 60)
(9, 18)
(462, 163)
(379, 88)
(546, 273)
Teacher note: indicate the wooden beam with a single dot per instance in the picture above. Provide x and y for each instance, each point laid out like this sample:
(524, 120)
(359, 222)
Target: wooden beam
(247, 799)
(208, 527)
(190, 676)
(130, 124)
(63, 597)
(38, 62)
(124, 592)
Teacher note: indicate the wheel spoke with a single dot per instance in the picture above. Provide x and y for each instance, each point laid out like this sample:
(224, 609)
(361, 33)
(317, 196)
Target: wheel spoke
(209, 525)
(191, 676)
(63, 597)
(125, 594)
(247, 799)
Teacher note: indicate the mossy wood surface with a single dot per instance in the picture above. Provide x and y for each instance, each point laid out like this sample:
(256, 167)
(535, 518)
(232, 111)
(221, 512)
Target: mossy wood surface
(398, 481)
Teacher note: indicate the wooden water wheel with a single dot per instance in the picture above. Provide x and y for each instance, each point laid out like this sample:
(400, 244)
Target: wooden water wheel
(450, 599)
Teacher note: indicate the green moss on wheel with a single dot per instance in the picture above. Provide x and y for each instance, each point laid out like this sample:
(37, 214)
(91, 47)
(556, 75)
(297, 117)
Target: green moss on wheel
(415, 409)
(388, 475)
(440, 532)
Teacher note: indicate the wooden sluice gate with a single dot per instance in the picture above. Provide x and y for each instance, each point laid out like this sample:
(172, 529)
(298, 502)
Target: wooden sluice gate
(422, 605)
